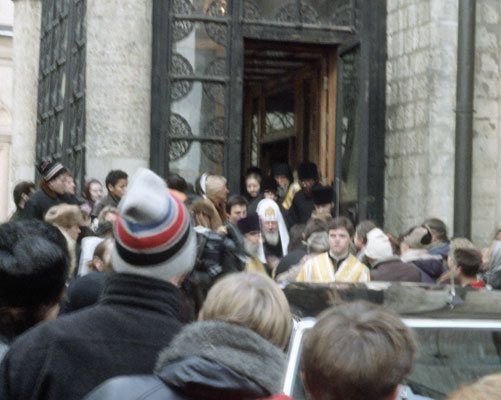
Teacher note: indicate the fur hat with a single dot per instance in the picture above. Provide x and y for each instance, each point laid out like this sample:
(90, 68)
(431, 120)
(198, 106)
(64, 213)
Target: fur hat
(281, 169)
(378, 245)
(269, 184)
(50, 169)
(249, 224)
(307, 170)
(323, 195)
(153, 232)
(417, 237)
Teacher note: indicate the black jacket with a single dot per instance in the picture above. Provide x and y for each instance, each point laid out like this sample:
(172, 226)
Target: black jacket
(207, 360)
(66, 358)
(301, 208)
(40, 202)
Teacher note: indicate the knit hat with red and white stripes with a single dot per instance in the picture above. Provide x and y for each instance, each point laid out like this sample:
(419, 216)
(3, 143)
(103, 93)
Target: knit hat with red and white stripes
(153, 232)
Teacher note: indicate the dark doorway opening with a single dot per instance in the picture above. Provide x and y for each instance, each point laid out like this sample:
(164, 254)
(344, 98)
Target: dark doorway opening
(289, 105)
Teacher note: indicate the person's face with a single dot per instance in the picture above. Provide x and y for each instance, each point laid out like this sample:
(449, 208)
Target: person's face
(237, 212)
(324, 208)
(269, 226)
(307, 184)
(69, 182)
(268, 194)
(96, 191)
(221, 195)
(58, 184)
(282, 181)
(73, 231)
(339, 241)
(253, 237)
(253, 187)
(119, 189)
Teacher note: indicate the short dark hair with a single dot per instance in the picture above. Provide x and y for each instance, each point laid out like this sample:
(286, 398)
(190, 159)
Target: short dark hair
(315, 225)
(177, 182)
(236, 200)
(438, 227)
(34, 265)
(363, 228)
(114, 176)
(21, 188)
(468, 260)
(342, 222)
(357, 351)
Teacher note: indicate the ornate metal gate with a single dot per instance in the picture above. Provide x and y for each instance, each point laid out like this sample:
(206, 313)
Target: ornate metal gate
(197, 79)
(61, 87)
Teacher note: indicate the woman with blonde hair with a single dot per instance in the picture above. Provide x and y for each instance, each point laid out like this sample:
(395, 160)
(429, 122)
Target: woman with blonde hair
(233, 352)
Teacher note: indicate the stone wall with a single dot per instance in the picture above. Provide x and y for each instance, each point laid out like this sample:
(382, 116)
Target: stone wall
(5, 122)
(420, 129)
(26, 45)
(118, 74)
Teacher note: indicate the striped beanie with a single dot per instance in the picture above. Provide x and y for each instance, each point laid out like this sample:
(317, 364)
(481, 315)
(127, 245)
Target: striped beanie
(50, 169)
(153, 232)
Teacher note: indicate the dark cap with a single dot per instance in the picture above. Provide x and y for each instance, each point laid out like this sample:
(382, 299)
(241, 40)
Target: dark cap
(51, 169)
(249, 224)
(281, 169)
(323, 195)
(269, 184)
(307, 170)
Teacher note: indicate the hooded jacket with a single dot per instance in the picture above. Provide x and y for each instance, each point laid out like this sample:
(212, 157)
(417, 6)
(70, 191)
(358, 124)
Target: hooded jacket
(431, 266)
(207, 360)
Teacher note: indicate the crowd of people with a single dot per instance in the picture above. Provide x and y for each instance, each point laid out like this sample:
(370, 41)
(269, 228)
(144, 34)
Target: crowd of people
(97, 298)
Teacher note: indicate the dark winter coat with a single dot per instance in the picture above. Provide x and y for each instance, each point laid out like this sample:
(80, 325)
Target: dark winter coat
(67, 357)
(431, 266)
(207, 360)
(301, 208)
(40, 202)
(291, 259)
(392, 269)
(108, 200)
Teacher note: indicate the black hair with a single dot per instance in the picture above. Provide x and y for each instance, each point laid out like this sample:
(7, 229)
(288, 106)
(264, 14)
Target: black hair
(114, 176)
(177, 182)
(21, 188)
(34, 265)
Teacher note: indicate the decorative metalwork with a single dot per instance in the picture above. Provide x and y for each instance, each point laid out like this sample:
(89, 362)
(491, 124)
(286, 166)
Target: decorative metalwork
(213, 150)
(182, 28)
(217, 31)
(251, 10)
(61, 87)
(289, 13)
(215, 91)
(179, 129)
(180, 66)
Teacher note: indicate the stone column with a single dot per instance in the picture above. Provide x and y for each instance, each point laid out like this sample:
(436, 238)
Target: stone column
(420, 126)
(26, 50)
(118, 85)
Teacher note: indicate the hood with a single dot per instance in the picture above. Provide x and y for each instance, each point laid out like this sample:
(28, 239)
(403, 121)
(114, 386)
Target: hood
(238, 353)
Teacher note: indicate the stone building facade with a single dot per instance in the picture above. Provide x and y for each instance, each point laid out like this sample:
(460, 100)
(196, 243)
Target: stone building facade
(420, 115)
(6, 109)
(420, 101)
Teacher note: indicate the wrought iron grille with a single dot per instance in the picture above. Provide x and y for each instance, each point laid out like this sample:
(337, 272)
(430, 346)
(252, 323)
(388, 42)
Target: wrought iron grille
(61, 86)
